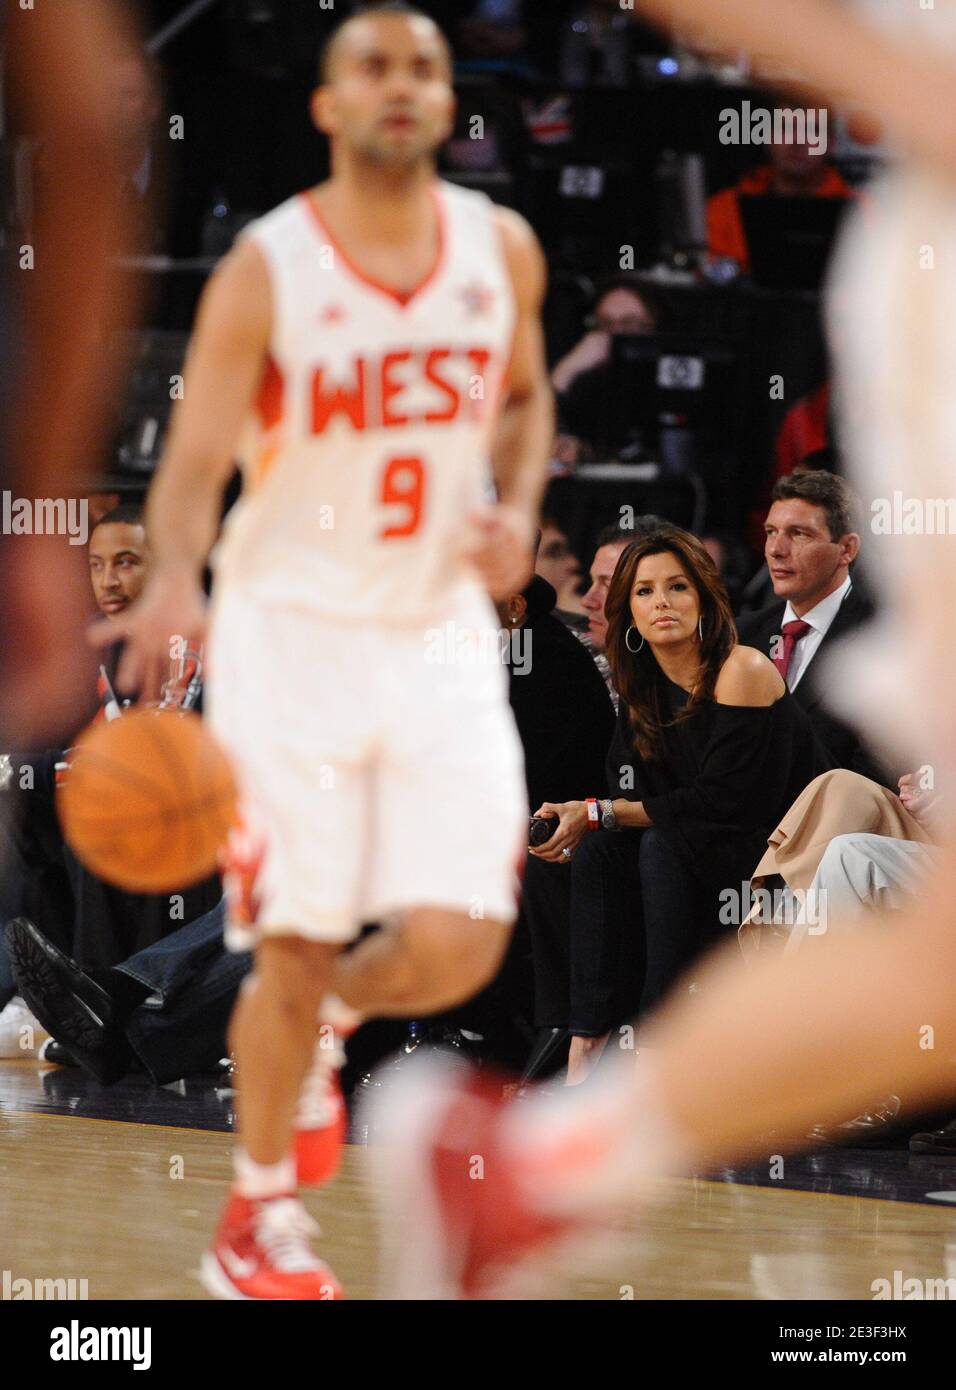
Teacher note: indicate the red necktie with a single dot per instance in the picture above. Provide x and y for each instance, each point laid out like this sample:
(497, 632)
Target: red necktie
(792, 632)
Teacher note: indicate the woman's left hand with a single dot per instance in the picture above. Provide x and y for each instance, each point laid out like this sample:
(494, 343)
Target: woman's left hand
(571, 829)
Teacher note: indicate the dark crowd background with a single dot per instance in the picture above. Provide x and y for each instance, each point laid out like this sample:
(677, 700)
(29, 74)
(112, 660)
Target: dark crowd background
(607, 136)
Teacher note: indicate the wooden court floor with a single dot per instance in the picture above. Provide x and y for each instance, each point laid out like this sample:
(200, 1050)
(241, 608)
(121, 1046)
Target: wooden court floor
(129, 1206)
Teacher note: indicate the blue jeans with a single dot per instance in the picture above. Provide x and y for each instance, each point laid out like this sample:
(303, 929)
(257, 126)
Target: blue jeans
(180, 1028)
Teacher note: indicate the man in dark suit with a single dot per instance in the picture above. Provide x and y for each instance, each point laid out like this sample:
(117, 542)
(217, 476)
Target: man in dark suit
(812, 543)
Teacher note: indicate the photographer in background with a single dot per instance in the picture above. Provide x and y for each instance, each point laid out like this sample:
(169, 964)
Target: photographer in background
(580, 378)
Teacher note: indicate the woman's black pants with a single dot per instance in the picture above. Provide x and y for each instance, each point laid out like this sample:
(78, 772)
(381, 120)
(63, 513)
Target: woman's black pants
(639, 917)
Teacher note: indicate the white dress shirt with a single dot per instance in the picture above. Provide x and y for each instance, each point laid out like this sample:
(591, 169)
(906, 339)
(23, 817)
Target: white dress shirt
(819, 619)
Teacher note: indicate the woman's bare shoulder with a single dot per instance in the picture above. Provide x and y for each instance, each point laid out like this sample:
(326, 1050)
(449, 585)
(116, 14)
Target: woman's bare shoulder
(748, 677)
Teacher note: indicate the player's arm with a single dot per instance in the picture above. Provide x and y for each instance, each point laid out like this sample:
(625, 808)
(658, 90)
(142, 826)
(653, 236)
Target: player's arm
(73, 297)
(501, 542)
(840, 57)
(57, 65)
(223, 369)
(526, 429)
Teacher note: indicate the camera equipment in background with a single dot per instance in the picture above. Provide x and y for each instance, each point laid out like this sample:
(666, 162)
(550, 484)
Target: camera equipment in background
(681, 209)
(573, 202)
(669, 399)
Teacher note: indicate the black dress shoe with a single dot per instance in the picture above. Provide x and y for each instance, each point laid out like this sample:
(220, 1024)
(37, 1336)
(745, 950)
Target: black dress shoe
(872, 1125)
(72, 1007)
(936, 1141)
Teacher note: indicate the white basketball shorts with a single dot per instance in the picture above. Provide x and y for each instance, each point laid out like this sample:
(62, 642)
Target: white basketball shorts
(379, 766)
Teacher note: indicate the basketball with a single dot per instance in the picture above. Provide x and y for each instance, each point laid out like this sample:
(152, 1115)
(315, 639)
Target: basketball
(148, 800)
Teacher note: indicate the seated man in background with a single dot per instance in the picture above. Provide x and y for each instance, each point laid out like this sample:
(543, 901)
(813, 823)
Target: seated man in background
(89, 920)
(119, 558)
(119, 564)
(812, 543)
(794, 171)
(610, 546)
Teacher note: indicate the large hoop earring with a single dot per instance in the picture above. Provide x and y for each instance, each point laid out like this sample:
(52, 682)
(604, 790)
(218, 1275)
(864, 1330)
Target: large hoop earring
(627, 640)
(700, 629)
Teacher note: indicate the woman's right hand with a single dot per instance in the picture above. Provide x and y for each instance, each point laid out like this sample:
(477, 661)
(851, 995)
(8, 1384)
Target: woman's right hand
(571, 830)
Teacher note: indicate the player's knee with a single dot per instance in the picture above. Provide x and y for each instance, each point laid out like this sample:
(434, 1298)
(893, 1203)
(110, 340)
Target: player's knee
(295, 970)
(457, 955)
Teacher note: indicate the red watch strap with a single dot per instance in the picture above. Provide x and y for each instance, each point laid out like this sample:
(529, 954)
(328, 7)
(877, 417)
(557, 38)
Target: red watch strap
(594, 813)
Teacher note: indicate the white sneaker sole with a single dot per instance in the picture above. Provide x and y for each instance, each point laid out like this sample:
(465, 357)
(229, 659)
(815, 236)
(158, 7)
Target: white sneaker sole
(216, 1281)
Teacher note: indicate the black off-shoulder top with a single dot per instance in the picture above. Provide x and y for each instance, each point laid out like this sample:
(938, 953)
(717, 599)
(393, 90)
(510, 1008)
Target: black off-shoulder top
(725, 778)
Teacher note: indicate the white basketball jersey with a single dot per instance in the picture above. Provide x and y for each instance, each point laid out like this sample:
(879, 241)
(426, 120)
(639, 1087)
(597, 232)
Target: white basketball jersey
(371, 434)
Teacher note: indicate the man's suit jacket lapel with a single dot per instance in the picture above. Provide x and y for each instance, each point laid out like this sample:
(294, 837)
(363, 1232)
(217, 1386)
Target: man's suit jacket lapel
(813, 685)
(810, 689)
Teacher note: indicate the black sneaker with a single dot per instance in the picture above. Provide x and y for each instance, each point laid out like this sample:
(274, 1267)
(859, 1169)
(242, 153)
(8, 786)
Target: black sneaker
(55, 1052)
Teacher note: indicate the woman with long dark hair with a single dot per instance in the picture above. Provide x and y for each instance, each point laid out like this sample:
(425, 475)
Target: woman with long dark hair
(709, 751)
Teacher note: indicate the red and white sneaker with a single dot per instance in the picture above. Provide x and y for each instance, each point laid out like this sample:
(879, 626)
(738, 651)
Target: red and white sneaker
(450, 1185)
(261, 1250)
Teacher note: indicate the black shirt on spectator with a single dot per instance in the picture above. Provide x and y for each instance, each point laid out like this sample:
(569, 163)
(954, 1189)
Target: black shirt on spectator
(726, 778)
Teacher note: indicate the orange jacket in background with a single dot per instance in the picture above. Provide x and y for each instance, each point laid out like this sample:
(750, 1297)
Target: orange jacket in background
(725, 227)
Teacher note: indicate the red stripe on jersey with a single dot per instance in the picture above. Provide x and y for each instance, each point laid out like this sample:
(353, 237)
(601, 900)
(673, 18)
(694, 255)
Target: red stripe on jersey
(270, 399)
(401, 298)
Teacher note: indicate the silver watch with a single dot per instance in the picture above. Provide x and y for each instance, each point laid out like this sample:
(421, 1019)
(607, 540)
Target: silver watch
(608, 818)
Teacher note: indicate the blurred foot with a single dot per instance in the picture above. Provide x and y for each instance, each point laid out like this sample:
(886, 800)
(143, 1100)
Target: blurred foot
(460, 1231)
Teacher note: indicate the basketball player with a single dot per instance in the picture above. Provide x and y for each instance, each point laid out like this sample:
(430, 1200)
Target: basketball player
(369, 346)
(771, 1049)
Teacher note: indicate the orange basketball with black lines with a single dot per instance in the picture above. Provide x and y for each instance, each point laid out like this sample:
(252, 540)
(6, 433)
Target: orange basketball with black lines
(148, 800)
